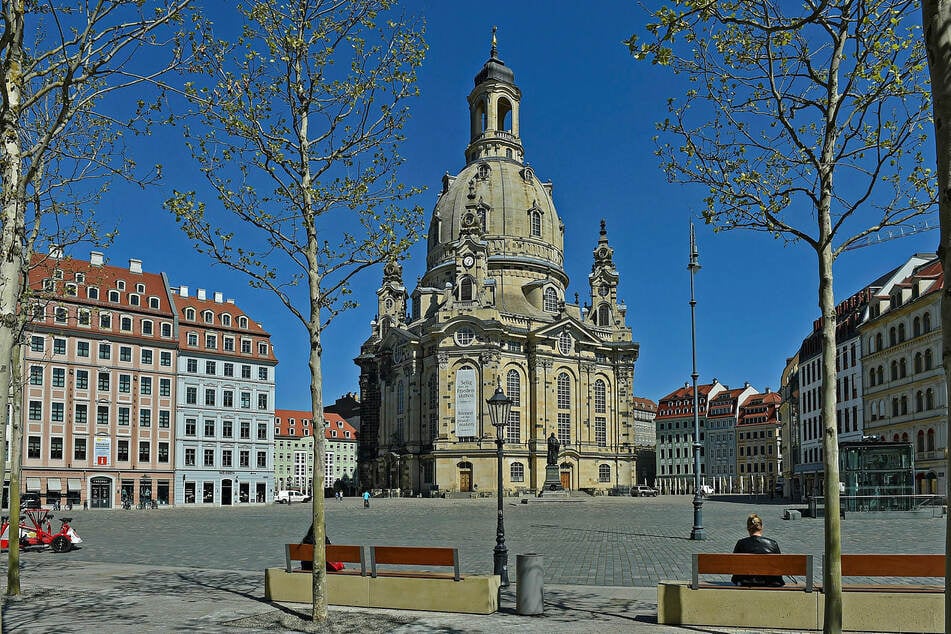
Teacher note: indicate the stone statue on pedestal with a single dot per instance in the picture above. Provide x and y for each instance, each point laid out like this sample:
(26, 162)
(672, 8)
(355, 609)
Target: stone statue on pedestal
(553, 447)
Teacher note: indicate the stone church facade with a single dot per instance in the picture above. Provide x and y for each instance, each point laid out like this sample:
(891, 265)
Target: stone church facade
(492, 309)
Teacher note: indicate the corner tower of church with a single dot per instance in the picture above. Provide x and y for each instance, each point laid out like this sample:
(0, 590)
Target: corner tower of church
(491, 308)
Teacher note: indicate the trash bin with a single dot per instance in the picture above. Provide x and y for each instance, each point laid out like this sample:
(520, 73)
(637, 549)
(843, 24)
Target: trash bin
(530, 584)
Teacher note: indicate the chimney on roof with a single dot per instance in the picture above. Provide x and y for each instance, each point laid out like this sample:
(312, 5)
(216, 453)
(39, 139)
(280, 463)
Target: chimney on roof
(202, 294)
(768, 390)
(135, 266)
(230, 301)
(56, 251)
(183, 291)
(95, 258)
(219, 297)
(746, 383)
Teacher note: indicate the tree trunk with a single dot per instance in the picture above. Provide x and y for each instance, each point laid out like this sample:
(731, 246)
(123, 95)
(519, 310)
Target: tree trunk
(936, 19)
(832, 563)
(319, 608)
(12, 202)
(16, 463)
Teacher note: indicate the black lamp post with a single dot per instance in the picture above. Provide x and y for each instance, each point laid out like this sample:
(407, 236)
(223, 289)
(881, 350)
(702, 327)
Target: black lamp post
(499, 407)
(693, 267)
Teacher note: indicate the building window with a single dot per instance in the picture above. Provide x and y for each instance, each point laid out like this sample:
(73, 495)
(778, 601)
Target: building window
(122, 451)
(166, 330)
(465, 336)
(191, 426)
(145, 417)
(604, 473)
(564, 391)
(36, 375)
(37, 343)
(105, 351)
(600, 431)
(513, 387)
(164, 418)
(79, 449)
(262, 431)
(163, 452)
(210, 367)
(124, 416)
(517, 472)
(229, 369)
(145, 356)
(103, 381)
(191, 396)
(227, 344)
(245, 346)
(262, 460)
(564, 428)
(210, 397)
(56, 412)
(550, 300)
(262, 349)
(189, 457)
(245, 371)
(165, 387)
(262, 401)
(125, 384)
(33, 447)
(513, 429)
(165, 359)
(209, 458)
(59, 377)
(60, 315)
(244, 458)
(102, 414)
(147, 328)
(59, 346)
(226, 458)
(600, 398)
(227, 429)
(564, 342)
(81, 414)
(262, 374)
(245, 430)
(536, 222)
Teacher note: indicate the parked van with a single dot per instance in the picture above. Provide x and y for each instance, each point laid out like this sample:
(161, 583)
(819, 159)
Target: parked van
(289, 497)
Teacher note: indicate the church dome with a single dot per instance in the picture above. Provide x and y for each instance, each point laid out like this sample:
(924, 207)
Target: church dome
(497, 195)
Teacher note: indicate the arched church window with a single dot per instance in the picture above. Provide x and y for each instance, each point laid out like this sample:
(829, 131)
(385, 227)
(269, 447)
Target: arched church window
(929, 360)
(483, 171)
(535, 218)
(604, 315)
(600, 397)
(604, 473)
(513, 387)
(465, 289)
(550, 300)
(564, 391)
(517, 472)
(926, 322)
(916, 327)
(504, 115)
(400, 398)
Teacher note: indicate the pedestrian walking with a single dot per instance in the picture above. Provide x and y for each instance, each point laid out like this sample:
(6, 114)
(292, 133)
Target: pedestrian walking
(366, 499)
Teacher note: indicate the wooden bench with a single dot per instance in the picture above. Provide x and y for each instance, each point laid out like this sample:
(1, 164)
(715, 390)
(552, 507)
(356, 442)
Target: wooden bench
(720, 603)
(755, 565)
(892, 607)
(414, 556)
(334, 552)
(395, 580)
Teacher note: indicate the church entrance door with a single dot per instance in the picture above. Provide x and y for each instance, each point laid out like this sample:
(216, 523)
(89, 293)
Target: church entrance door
(566, 480)
(465, 480)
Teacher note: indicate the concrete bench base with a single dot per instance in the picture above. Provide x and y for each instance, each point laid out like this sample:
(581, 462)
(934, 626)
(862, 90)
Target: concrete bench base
(678, 604)
(882, 611)
(474, 594)
(787, 608)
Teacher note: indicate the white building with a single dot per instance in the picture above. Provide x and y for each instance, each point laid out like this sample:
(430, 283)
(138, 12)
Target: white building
(225, 393)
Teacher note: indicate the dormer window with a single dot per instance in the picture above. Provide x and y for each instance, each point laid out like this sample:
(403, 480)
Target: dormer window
(190, 314)
(208, 317)
(242, 322)
(226, 320)
(92, 292)
(114, 296)
(49, 285)
(120, 284)
(80, 277)
(58, 274)
(483, 171)
(550, 300)
(154, 303)
(140, 288)
(133, 300)
(71, 290)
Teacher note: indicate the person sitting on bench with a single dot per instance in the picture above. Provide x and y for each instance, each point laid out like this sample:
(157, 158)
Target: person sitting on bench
(757, 544)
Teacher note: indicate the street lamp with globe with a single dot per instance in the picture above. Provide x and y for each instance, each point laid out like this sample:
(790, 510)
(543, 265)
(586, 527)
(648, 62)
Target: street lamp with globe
(499, 407)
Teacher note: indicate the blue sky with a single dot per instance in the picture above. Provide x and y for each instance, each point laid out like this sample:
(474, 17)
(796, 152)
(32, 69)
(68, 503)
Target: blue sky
(587, 119)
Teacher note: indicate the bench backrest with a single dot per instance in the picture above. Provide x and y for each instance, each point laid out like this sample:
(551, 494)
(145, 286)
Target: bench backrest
(893, 565)
(750, 564)
(414, 556)
(334, 552)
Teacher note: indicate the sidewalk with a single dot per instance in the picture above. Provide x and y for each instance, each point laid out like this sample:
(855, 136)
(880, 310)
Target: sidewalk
(116, 598)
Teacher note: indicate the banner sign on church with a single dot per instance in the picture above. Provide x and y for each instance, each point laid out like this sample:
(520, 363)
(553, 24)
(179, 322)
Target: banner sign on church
(466, 405)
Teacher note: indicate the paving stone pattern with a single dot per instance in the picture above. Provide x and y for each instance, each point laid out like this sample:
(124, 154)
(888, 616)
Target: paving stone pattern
(603, 541)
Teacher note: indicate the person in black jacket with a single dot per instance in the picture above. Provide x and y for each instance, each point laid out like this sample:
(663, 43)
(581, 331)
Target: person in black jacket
(757, 544)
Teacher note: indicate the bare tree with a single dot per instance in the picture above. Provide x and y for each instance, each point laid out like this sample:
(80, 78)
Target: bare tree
(59, 63)
(805, 121)
(936, 17)
(301, 119)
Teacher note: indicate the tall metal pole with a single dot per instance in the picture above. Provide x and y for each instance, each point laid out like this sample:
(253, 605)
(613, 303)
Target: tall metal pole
(501, 553)
(693, 267)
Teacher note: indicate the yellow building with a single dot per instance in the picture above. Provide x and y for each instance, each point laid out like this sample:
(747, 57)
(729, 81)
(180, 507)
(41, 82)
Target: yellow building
(492, 308)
